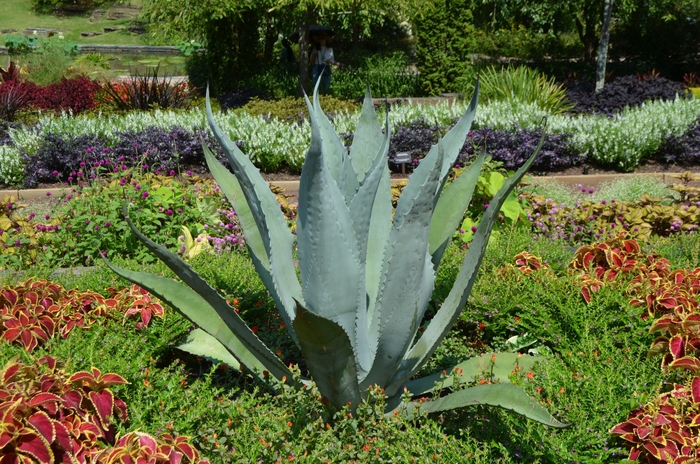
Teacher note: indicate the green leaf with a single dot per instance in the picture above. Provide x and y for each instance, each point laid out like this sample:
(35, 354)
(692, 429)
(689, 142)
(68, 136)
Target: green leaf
(511, 208)
(329, 355)
(200, 343)
(504, 395)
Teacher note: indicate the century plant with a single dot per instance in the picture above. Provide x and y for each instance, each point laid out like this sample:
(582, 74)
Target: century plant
(367, 272)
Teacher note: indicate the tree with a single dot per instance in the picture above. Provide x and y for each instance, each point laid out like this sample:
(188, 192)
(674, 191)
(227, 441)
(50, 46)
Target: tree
(220, 23)
(603, 46)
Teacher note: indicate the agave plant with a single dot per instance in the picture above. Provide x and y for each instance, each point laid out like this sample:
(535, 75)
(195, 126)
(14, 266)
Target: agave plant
(367, 272)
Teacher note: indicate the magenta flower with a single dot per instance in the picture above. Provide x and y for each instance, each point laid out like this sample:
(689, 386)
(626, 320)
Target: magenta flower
(144, 195)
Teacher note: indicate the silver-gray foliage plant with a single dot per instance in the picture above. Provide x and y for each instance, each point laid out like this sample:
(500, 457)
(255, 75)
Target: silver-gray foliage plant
(367, 273)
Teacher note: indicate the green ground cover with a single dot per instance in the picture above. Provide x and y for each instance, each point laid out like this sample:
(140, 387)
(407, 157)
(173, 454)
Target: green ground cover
(17, 14)
(597, 369)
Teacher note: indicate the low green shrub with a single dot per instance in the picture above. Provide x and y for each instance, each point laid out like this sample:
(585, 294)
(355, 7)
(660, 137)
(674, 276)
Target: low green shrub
(90, 220)
(293, 109)
(526, 85)
(49, 61)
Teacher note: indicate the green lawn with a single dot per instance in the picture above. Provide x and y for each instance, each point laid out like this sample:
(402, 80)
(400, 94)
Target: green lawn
(17, 14)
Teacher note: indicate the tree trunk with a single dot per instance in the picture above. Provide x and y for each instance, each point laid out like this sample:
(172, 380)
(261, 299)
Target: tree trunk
(270, 38)
(586, 33)
(603, 46)
(304, 52)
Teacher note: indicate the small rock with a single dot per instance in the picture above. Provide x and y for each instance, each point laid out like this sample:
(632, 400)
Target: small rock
(97, 15)
(137, 27)
(123, 12)
(112, 28)
(8, 31)
(41, 32)
(90, 34)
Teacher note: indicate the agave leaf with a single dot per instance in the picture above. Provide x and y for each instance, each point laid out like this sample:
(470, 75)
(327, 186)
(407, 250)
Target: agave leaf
(270, 220)
(505, 395)
(329, 355)
(200, 343)
(407, 280)
(327, 248)
(258, 253)
(367, 139)
(333, 149)
(379, 232)
(362, 204)
(215, 317)
(450, 309)
(450, 209)
(480, 365)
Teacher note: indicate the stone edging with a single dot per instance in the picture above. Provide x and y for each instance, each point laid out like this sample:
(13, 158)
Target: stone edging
(117, 49)
(293, 185)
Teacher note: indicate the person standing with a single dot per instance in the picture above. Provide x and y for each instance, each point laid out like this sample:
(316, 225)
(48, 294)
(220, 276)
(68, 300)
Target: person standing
(322, 58)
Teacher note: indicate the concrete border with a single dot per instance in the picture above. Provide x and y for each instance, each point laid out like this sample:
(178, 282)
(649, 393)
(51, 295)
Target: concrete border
(293, 185)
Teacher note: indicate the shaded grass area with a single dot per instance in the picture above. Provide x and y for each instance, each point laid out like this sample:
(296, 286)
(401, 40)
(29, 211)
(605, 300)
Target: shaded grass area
(597, 369)
(17, 14)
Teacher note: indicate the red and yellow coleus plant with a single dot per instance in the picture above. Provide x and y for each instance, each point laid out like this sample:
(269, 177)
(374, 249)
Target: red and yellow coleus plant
(36, 310)
(48, 416)
(604, 262)
(666, 429)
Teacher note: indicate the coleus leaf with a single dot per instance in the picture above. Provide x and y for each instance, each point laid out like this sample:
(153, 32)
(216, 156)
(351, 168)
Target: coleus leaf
(690, 363)
(42, 423)
(103, 401)
(35, 446)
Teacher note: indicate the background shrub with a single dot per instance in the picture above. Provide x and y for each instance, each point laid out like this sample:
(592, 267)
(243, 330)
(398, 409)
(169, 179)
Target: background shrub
(525, 84)
(444, 43)
(291, 109)
(240, 97)
(75, 95)
(152, 149)
(388, 76)
(14, 97)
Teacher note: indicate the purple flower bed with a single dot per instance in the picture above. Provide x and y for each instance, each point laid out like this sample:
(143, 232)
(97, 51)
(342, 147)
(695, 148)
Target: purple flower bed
(624, 91)
(681, 149)
(514, 148)
(162, 151)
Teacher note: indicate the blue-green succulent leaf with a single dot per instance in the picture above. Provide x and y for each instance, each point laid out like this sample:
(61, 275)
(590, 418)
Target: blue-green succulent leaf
(454, 139)
(450, 309)
(200, 343)
(503, 366)
(504, 395)
(450, 209)
(368, 138)
(330, 358)
(327, 248)
(407, 280)
(333, 149)
(212, 314)
(271, 223)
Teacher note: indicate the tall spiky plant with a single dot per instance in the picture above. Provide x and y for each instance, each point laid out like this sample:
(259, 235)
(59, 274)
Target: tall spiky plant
(367, 275)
